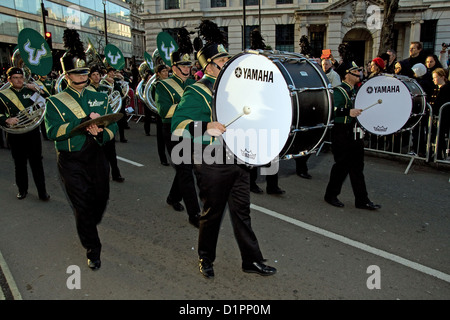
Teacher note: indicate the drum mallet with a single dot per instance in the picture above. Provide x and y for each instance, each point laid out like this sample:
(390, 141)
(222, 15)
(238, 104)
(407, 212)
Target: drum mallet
(245, 110)
(378, 102)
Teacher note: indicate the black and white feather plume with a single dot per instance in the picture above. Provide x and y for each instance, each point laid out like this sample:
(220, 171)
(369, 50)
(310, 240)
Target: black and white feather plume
(256, 40)
(73, 44)
(209, 32)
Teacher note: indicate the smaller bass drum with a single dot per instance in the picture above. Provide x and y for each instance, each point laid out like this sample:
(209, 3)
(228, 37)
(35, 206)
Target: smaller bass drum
(401, 108)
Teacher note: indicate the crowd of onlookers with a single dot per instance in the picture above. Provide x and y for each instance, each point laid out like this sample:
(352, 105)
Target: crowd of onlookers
(431, 73)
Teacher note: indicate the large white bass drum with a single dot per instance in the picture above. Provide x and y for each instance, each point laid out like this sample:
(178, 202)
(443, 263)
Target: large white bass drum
(392, 103)
(276, 105)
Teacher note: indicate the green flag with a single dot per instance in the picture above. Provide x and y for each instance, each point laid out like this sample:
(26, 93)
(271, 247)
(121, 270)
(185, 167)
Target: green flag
(35, 52)
(114, 57)
(149, 60)
(166, 45)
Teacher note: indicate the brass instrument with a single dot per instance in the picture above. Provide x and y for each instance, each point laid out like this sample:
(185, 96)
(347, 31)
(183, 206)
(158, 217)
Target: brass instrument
(114, 96)
(32, 116)
(147, 95)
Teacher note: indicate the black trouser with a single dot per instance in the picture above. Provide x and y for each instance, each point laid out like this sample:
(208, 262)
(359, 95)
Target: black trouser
(271, 179)
(183, 185)
(222, 184)
(349, 160)
(28, 147)
(147, 119)
(110, 152)
(123, 122)
(85, 176)
(301, 165)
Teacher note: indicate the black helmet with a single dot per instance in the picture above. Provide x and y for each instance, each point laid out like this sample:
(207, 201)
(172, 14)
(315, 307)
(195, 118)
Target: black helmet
(178, 58)
(210, 52)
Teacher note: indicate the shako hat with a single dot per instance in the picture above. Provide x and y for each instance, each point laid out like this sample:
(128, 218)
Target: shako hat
(74, 60)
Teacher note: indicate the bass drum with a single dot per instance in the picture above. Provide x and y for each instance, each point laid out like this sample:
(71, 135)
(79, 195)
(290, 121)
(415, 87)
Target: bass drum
(401, 108)
(287, 99)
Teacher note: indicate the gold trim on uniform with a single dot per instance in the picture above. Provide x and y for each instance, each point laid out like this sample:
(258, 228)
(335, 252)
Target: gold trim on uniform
(181, 127)
(71, 103)
(13, 98)
(62, 130)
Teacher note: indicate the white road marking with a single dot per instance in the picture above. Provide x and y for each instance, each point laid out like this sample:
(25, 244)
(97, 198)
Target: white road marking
(9, 279)
(130, 162)
(384, 254)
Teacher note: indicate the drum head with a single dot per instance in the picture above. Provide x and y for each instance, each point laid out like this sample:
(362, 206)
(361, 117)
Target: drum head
(392, 113)
(251, 80)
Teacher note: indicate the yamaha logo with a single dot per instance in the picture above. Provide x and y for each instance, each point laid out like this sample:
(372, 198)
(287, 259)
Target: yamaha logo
(238, 72)
(254, 74)
(383, 89)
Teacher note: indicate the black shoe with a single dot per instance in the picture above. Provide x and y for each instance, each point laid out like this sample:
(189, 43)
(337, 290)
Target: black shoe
(165, 163)
(22, 195)
(94, 264)
(305, 175)
(256, 189)
(124, 140)
(369, 206)
(259, 268)
(176, 205)
(44, 197)
(334, 201)
(194, 220)
(206, 268)
(147, 134)
(119, 179)
(276, 190)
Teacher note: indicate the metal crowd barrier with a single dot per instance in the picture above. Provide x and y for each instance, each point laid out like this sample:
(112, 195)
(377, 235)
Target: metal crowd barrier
(138, 111)
(427, 141)
(442, 139)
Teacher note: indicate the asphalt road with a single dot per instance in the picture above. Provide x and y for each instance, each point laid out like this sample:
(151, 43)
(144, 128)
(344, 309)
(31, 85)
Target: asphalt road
(149, 250)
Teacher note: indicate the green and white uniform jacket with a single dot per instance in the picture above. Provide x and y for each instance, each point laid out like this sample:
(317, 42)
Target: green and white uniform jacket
(68, 109)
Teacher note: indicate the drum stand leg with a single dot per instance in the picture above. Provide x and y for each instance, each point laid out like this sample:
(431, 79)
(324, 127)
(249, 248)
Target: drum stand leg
(321, 146)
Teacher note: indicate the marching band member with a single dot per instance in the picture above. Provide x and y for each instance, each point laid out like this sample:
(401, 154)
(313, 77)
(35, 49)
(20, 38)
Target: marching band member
(122, 123)
(347, 145)
(168, 93)
(162, 72)
(110, 146)
(24, 146)
(219, 183)
(82, 164)
(46, 85)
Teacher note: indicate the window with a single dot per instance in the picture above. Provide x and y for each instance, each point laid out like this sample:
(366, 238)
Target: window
(172, 4)
(316, 42)
(284, 37)
(248, 31)
(218, 3)
(251, 2)
(284, 1)
(428, 35)
(318, 1)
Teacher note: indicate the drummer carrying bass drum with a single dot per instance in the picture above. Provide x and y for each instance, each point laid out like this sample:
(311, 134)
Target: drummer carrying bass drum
(347, 145)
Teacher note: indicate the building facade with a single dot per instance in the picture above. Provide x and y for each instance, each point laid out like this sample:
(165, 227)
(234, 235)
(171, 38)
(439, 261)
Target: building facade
(87, 16)
(326, 23)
